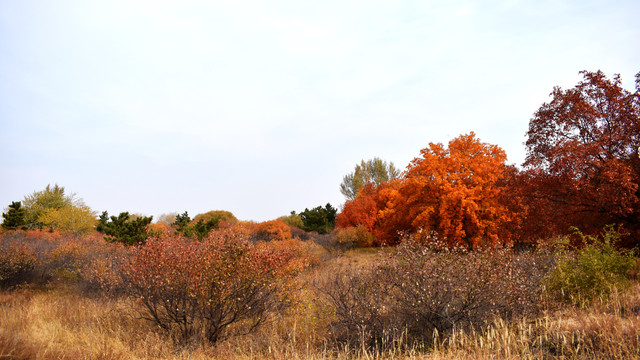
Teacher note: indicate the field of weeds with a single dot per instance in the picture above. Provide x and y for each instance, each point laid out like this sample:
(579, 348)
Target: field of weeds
(346, 305)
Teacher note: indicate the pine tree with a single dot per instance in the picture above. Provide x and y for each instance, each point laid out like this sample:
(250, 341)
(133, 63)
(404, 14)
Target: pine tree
(15, 217)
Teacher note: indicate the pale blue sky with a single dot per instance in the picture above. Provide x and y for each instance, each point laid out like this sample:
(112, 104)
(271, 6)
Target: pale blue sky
(261, 107)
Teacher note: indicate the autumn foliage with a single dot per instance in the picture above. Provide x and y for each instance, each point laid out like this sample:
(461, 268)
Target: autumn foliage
(197, 289)
(453, 194)
(583, 161)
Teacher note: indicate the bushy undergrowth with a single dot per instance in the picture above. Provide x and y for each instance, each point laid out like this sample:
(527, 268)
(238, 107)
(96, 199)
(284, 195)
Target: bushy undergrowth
(380, 301)
(593, 271)
(17, 264)
(39, 257)
(419, 291)
(198, 290)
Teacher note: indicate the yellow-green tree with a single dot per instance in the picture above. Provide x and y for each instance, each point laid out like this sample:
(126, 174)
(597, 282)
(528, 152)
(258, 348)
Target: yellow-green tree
(78, 218)
(54, 209)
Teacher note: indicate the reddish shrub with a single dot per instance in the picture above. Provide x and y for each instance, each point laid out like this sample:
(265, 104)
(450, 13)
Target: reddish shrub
(17, 264)
(196, 290)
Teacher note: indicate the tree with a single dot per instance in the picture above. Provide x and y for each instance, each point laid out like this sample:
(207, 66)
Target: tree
(375, 170)
(293, 219)
(79, 219)
(14, 218)
(54, 209)
(168, 219)
(202, 224)
(272, 230)
(123, 229)
(453, 195)
(583, 160)
(182, 221)
(39, 202)
(319, 219)
(218, 216)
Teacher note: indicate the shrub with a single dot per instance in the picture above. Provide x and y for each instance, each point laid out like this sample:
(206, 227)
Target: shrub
(355, 236)
(272, 230)
(595, 270)
(17, 264)
(417, 290)
(198, 290)
(54, 256)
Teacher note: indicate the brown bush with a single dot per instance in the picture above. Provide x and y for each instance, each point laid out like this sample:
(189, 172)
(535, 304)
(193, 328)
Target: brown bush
(417, 291)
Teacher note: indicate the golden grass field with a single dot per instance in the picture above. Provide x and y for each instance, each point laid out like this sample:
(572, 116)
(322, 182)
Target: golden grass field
(58, 322)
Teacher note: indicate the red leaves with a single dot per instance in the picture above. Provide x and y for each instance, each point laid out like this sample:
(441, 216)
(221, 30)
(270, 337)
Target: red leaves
(199, 288)
(582, 165)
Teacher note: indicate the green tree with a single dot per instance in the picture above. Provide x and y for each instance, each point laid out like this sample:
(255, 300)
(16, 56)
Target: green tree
(204, 224)
(375, 170)
(202, 228)
(123, 229)
(319, 219)
(39, 202)
(293, 220)
(14, 218)
(182, 221)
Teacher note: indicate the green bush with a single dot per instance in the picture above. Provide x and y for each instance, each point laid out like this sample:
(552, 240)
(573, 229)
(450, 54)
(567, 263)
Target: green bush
(594, 271)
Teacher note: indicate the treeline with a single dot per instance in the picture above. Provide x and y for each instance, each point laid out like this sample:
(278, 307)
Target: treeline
(582, 169)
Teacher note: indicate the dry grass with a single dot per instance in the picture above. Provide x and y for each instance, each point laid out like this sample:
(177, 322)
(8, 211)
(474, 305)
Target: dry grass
(59, 323)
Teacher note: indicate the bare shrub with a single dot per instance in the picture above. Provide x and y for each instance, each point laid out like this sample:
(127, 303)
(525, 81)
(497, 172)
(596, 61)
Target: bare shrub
(417, 290)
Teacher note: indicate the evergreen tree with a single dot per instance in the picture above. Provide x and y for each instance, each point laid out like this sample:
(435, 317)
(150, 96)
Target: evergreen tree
(14, 217)
(123, 229)
(319, 219)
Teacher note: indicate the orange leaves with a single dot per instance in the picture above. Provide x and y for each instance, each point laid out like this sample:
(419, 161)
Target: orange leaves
(272, 230)
(454, 194)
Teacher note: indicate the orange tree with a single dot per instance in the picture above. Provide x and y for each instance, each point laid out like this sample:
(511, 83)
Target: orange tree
(366, 210)
(583, 160)
(454, 195)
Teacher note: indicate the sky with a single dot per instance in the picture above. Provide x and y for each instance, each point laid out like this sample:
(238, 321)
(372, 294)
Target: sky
(261, 107)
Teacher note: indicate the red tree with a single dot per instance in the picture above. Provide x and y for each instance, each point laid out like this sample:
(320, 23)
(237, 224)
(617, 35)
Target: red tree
(583, 161)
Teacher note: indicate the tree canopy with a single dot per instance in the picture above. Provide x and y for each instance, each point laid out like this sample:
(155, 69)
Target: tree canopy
(319, 219)
(123, 228)
(450, 194)
(374, 171)
(583, 161)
